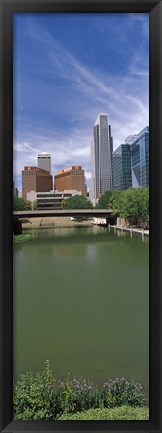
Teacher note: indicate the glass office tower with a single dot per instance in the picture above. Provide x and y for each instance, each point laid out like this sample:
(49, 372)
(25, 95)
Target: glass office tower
(101, 157)
(140, 159)
(122, 173)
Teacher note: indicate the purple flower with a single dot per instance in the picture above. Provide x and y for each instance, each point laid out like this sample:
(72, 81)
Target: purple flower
(50, 385)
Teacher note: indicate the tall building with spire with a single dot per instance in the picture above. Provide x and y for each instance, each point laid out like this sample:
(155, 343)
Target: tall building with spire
(101, 157)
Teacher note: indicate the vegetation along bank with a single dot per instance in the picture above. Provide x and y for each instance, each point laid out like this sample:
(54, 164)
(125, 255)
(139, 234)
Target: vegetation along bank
(40, 396)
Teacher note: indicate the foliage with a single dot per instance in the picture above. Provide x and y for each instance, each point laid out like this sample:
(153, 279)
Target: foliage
(77, 202)
(35, 204)
(32, 395)
(104, 200)
(116, 202)
(20, 203)
(135, 206)
(41, 397)
(79, 395)
(119, 413)
(21, 238)
(63, 203)
(119, 392)
(132, 204)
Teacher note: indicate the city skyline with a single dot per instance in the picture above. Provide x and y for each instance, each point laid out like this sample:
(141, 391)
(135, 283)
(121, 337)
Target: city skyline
(62, 82)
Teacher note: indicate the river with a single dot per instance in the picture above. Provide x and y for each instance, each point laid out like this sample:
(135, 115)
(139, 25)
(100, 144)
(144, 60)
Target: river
(81, 300)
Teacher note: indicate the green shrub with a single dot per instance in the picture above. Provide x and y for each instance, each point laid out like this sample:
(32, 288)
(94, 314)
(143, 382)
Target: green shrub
(119, 413)
(32, 395)
(119, 392)
(21, 238)
(19, 203)
(79, 395)
(41, 397)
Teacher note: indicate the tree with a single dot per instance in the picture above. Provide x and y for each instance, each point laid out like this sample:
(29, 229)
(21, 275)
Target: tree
(27, 205)
(77, 202)
(135, 206)
(63, 204)
(144, 206)
(20, 203)
(132, 204)
(104, 200)
(116, 202)
(35, 204)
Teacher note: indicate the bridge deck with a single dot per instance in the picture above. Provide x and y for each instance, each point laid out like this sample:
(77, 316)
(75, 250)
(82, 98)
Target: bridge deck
(101, 213)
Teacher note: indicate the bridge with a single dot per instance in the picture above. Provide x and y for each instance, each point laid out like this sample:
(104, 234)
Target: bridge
(83, 213)
(80, 213)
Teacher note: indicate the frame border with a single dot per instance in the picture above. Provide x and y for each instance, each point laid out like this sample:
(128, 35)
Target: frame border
(7, 9)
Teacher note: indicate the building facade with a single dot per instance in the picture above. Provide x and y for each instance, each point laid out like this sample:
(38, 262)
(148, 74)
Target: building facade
(44, 161)
(130, 139)
(140, 159)
(15, 190)
(122, 172)
(51, 199)
(35, 179)
(71, 178)
(101, 157)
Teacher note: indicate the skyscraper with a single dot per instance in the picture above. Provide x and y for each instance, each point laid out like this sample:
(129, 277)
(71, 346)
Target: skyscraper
(44, 161)
(122, 172)
(140, 159)
(101, 157)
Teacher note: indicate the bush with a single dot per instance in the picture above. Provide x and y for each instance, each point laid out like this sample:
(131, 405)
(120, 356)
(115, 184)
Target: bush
(79, 395)
(119, 413)
(19, 203)
(41, 397)
(119, 392)
(21, 238)
(32, 395)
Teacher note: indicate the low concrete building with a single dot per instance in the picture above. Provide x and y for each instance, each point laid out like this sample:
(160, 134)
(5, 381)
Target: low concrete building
(51, 199)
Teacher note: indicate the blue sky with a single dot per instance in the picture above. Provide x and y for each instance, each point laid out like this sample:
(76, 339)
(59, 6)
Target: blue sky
(67, 69)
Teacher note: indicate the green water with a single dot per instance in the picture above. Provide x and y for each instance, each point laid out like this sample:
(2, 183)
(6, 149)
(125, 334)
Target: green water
(81, 300)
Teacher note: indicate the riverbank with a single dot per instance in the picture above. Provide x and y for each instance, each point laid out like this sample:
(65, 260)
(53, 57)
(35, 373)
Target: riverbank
(131, 230)
(121, 413)
(52, 222)
(63, 222)
(76, 398)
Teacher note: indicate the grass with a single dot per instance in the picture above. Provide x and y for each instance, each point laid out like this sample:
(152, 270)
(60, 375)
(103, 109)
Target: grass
(21, 238)
(119, 413)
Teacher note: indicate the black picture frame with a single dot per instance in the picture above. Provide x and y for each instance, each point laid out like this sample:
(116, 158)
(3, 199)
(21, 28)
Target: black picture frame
(7, 9)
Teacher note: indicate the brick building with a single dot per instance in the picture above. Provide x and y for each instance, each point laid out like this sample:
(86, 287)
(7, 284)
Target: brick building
(71, 178)
(35, 179)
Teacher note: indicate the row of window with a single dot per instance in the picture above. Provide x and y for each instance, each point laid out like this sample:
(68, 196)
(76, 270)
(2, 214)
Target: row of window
(28, 173)
(52, 195)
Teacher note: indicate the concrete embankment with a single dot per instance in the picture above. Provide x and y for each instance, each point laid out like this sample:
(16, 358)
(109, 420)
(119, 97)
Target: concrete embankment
(138, 231)
(53, 222)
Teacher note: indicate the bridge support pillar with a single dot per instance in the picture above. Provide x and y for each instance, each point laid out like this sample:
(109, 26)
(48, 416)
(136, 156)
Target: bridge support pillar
(17, 226)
